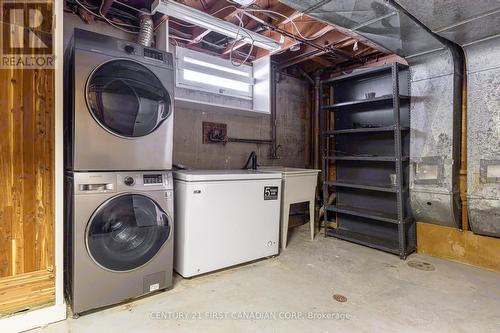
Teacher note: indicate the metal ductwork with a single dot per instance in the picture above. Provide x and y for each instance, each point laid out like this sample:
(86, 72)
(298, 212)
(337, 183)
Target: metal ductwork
(436, 96)
(475, 25)
(146, 32)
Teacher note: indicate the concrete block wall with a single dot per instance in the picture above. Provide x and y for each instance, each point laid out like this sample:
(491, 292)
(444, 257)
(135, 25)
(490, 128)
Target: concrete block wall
(292, 130)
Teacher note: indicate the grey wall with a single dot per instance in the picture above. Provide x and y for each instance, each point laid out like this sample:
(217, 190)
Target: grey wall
(292, 130)
(292, 122)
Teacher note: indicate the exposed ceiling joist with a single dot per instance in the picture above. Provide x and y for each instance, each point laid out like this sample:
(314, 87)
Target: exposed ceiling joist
(313, 32)
(299, 58)
(220, 9)
(198, 17)
(306, 41)
(323, 62)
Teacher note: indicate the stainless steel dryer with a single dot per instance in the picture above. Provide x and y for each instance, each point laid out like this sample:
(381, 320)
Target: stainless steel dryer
(119, 107)
(119, 242)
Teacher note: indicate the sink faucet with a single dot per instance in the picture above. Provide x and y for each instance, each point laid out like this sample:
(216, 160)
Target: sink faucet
(251, 161)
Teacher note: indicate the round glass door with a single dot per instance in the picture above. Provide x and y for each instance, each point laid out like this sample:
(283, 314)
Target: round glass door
(127, 99)
(127, 232)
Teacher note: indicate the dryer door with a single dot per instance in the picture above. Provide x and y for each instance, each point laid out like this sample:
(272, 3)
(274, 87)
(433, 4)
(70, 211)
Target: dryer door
(126, 232)
(127, 99)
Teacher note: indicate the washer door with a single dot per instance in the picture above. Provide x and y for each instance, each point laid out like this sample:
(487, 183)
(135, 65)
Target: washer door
(126, 232)
(127, 99)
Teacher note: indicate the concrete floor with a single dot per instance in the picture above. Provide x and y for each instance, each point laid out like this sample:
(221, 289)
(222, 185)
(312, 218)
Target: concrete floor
(383, 294)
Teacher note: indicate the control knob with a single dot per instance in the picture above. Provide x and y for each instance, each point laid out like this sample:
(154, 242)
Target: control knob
(129, 49)
(129, 181)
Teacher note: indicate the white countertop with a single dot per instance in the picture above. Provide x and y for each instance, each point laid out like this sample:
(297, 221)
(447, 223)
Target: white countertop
(288, 170)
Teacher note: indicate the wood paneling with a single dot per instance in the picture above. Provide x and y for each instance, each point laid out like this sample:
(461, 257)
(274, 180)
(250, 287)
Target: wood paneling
(26, 175)
(26, 181)
(26, 292)
(462, 246)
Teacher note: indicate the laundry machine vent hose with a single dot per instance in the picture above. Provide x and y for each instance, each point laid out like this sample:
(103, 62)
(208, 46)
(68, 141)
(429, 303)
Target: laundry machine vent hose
(146, 32)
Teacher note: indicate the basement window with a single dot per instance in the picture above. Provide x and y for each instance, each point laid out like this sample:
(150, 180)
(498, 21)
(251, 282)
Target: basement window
(203, 72)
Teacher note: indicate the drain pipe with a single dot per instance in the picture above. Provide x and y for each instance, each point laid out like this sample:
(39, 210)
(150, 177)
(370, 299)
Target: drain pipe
(311, 97)
(317, 110)
(274, 122)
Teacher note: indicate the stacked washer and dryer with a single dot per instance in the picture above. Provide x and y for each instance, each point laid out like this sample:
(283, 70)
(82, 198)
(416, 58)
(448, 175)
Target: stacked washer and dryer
(118, 153)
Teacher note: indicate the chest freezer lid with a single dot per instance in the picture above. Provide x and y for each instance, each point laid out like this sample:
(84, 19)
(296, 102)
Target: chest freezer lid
(210, 175)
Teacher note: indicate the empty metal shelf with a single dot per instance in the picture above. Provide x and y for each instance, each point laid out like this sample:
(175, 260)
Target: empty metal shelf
(373, 242)
(360, 73)
(369, 214)
(366, 158)
(382, 188)
(365, 130)
(368, 101)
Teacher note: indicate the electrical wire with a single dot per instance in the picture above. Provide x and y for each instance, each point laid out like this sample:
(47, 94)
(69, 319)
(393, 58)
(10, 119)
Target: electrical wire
(240, 27)
(294, 25)
(96, 15)
(235, 41)
(240, 32)
(164, 19)
(173, 39)
(203, 5)
(184, 25)
(182, 38)
(131, 7)
(112, 23)
(194, 25)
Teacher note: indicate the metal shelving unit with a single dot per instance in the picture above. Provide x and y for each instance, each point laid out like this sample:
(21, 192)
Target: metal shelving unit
(365, 143)
(368, 101)
(366, 158)
(361, 130)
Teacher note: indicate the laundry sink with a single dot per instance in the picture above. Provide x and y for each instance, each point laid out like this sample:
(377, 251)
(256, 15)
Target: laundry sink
(298, 185)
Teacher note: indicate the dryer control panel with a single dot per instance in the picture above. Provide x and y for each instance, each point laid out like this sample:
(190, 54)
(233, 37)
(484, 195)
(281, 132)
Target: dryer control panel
(94, 42)
(152, 179)
(146, 53)
(147, 181)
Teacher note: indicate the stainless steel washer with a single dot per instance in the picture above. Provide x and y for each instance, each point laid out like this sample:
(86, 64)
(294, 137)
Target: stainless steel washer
(119, 106)
(119, 242)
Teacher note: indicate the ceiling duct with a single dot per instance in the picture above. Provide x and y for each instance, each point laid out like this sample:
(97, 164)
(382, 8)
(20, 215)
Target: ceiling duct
(436, 87)
(475, 25)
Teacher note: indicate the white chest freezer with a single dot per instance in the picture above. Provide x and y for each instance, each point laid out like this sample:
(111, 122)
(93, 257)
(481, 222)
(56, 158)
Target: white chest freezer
(224, 218)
